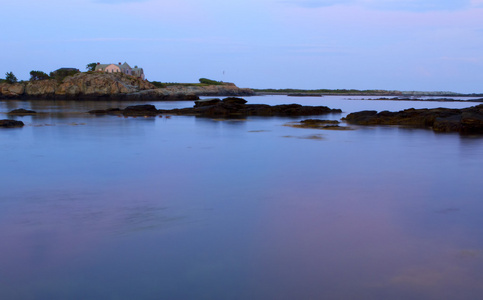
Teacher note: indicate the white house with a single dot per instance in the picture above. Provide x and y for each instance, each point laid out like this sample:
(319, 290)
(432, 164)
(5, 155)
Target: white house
(121, 68)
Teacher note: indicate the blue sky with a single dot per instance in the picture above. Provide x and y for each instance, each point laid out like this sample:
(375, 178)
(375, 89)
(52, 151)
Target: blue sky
(425, 45)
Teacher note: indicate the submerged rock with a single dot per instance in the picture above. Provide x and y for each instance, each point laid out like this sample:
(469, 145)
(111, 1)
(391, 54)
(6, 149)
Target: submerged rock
(11, 123)
(22, 112)
(466, 120)
(319, 124)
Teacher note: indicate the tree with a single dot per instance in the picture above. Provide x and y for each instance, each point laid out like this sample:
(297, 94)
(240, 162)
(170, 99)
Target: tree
(38, 75)
(61, 73)
(91, 67)
(10, 78)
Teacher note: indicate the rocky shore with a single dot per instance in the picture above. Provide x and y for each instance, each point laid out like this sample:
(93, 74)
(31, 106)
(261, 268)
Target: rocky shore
(466, 120)
(231, 107)
(111, 86)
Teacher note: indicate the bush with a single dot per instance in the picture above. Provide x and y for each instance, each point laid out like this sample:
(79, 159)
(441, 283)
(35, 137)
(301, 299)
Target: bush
(158, 84)
(62, 73)
(38, 75)
(209, 81)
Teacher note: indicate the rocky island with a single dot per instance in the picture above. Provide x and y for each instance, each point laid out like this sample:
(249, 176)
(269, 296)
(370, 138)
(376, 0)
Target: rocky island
(111, 86)
(230, 107)
(466, 120)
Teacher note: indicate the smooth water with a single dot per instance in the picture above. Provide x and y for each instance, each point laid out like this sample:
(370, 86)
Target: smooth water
(194, 208)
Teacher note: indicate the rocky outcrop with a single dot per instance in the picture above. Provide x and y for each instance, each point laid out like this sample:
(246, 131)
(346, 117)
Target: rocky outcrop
(15, 90)
(227, 108)
(226, 89)
(10, 124)
(467, 120)
(111, 86)
(82, 86)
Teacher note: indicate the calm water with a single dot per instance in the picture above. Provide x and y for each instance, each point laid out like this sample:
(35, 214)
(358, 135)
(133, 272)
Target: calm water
(193, 208)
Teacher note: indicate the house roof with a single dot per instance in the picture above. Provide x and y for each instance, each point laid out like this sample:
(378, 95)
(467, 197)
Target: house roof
(125, 65)
(102, 66)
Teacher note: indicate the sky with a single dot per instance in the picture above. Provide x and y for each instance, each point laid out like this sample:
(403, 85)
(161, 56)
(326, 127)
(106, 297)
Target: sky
(421, 45)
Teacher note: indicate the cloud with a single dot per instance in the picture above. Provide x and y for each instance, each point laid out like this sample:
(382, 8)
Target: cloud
(396, 5)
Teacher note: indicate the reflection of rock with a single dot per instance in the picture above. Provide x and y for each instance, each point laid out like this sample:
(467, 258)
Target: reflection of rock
(319, 124)
(11, 123)
(229, 108)
(22, 112)
(109, 111)
(466, 120)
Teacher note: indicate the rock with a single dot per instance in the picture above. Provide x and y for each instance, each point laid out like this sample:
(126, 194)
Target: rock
(11, 91)
(112, 86)
(317, 122)
(22, 112)
(226, 89)
(207, 102)
(234, 100)
(226, 108)
(140, 111)
(466, 120)
(11, 123)
(361, 117)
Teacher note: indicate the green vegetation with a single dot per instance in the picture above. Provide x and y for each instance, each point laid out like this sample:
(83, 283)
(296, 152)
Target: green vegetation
(203, 82)
(167, 84)
(38, 75)
(210, 82)
(10, 78)
(159, 85)
(62, 73)
(91, 67)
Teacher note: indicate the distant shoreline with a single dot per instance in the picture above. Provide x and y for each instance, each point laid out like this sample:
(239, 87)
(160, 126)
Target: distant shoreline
(386, 97)
(351, 92)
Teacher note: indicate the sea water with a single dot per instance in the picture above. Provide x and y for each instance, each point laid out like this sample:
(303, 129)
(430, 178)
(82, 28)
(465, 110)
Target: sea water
(106, 207)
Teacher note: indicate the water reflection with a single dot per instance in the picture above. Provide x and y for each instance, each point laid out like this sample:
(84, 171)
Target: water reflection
(196, 208)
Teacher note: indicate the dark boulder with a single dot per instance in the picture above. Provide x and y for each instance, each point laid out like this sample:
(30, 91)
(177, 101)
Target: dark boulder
(207, 102)
(146, 110)
(11, 124)
(234, 100)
